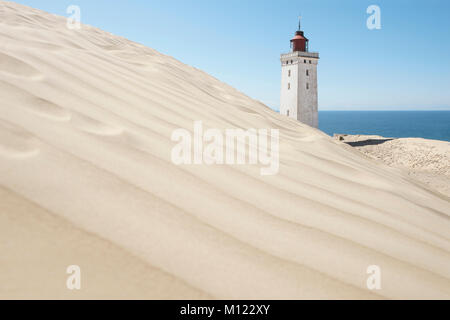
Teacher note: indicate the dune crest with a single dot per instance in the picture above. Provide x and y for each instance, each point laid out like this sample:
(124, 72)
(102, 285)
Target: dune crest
(85, 144)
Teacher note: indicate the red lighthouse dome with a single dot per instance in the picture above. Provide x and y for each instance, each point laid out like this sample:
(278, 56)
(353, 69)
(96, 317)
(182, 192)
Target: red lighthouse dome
(299, 42)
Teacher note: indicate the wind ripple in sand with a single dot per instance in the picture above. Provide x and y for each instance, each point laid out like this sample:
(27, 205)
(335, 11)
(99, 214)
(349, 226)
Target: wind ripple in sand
(48, 109)
(96, 127)
(35, 44)
(18, 68)
(37, 105)
(16, 142)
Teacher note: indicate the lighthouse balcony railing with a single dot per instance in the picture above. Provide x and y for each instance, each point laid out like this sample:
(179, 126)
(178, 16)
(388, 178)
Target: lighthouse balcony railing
(301, 54)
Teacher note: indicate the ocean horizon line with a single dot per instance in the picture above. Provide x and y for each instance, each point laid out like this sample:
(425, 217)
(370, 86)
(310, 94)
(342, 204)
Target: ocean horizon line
(395, 110)
(376, 110)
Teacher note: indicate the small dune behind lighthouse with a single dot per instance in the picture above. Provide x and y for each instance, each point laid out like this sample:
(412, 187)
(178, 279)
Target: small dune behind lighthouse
(86, 179)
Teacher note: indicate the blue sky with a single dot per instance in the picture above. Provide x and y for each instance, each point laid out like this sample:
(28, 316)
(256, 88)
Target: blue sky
(405, 65)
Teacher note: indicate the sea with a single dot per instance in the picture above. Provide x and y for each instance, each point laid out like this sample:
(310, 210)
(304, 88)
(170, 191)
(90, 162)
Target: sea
(393, 124)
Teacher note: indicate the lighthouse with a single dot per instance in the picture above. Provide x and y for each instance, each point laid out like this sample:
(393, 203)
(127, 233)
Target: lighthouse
(299, 99)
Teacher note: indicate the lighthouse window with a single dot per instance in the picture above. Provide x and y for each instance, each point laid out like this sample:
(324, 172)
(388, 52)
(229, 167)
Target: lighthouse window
(289, 73)
(307, 72)
(289, 86)
(288, 113)
(309, 61)
(304, 61)
(307, 86)
(292, 61)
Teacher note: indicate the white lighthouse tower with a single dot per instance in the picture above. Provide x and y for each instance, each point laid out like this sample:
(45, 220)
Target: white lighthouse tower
(299, 82)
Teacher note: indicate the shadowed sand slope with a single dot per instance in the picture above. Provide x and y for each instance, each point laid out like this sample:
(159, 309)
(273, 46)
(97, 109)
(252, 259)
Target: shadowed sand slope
(85, 124)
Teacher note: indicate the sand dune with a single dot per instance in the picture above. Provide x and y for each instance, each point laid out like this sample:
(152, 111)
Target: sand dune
(86, 178)
(428, 161)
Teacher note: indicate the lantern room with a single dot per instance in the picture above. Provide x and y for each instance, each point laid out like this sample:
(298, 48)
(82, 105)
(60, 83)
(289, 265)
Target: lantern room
(299, 42)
